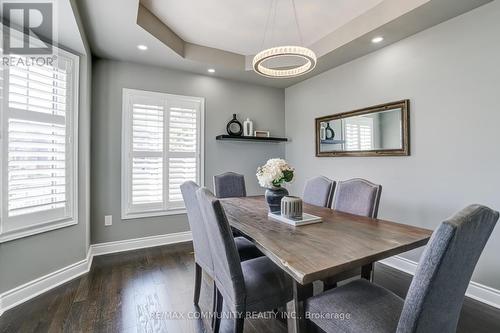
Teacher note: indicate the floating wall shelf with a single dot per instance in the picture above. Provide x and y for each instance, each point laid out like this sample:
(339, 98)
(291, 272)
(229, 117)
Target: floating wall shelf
(332, 142)
(250, 138)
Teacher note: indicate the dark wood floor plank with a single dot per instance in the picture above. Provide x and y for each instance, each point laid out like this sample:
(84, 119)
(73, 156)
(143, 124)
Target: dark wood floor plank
(137, 291)
(57, 319)
(91, 313)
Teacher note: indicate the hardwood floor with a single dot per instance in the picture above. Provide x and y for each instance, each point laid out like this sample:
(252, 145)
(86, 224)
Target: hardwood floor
(137, 290)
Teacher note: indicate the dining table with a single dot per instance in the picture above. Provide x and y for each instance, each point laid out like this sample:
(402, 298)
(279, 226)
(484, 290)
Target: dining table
(340, 243)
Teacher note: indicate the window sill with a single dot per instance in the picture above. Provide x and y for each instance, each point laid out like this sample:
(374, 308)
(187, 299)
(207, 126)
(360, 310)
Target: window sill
(139, 215)
(34, 230)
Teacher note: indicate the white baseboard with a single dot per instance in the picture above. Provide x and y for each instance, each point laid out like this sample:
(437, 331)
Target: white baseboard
(140, 243)
(477, 291)
(27, 291)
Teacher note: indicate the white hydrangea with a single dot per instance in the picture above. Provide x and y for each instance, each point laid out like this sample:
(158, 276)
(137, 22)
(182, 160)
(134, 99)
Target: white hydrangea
(273, 173)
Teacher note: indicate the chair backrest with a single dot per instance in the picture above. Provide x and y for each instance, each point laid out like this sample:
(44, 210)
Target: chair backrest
(227, 265)
(318, 191)
(201, 244)
(229, 185)
(436, 294)
(357, 196)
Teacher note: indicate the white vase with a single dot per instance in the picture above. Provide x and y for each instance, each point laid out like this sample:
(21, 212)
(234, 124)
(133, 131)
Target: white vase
(248, 127)
(322, 132)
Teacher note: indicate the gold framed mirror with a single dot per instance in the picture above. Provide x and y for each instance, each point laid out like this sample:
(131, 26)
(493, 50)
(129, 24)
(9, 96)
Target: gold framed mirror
(381, 130)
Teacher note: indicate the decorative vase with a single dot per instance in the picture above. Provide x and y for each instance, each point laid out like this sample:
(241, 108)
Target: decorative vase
(273, 198)
(291, 207)
(248, 127)
(330, 134)
(234, 127)
(322, 132)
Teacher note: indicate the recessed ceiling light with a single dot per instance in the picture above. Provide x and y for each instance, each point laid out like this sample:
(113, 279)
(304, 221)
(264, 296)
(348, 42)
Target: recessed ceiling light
(142, 47)
(377, 40)
(211, 70)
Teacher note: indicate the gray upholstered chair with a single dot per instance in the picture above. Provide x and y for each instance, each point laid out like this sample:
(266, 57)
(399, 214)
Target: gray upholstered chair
(202, 254)
(357, 196)
(318, 191)
(252, 285)
(229, 185)
(435, 295)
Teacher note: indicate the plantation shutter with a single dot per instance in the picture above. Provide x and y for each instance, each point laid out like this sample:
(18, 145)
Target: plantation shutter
(146, 154)
(183, 147)
(359, 133)
(38, 171)
(161, 151)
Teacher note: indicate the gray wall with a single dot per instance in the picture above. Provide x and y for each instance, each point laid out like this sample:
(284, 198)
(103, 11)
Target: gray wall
(28, 258)
(451, 74)
(222, 98)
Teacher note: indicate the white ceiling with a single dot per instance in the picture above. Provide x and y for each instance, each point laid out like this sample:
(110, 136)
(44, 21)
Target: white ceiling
(114, 33)
(239, 25)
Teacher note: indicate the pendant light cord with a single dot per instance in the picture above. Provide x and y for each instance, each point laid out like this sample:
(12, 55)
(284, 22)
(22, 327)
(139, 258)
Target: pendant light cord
(274, 20)
(266, 29)
(306, 54)
(297, 23)
(273, 9)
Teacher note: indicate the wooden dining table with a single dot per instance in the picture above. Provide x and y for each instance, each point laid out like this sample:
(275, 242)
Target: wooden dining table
(321, 251)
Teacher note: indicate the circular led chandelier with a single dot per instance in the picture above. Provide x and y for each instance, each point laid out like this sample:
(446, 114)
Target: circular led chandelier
(298, 52)
(284, 51)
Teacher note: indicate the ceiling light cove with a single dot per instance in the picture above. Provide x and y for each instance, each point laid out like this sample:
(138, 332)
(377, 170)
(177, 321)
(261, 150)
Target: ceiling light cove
(211, 70)
(377, 40)
(142, 47)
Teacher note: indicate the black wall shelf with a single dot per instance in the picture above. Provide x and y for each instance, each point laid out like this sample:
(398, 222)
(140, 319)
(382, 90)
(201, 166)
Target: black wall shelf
(250, 138)
(332, 142)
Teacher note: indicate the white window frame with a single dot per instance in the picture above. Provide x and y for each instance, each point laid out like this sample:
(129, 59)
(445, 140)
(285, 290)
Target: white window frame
(126, 166)
(35, 223)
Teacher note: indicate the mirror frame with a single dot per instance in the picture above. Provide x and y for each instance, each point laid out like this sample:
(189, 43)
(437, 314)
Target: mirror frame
(404, 105)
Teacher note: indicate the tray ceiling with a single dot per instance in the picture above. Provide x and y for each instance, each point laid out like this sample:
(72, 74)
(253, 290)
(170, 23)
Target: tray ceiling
(195, 35)
(238, 25)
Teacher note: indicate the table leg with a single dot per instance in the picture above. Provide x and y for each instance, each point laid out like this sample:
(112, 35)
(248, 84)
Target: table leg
(367, 271)
(295, 308)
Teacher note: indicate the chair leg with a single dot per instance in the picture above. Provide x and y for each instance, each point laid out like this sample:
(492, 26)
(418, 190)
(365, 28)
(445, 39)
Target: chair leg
(366, 272)
(296, 306)
(197, 283)
(214, 305)
(239, 323)
(312, 328)
(327, 285)
(218, 311)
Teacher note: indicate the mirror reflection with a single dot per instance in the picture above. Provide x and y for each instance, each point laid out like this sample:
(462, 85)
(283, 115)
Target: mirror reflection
(378, 130)
(381, 130)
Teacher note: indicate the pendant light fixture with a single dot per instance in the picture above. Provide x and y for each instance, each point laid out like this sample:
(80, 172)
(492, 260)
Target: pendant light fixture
(295, 51)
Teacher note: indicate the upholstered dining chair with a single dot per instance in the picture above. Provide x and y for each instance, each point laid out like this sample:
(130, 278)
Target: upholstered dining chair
(357, 196)
(202, 254)
(229, 185)
(437, 290)
(318, 191)
(252, 285)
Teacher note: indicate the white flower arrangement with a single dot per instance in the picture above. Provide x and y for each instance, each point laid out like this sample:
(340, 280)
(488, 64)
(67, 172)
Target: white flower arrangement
(274, 173)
